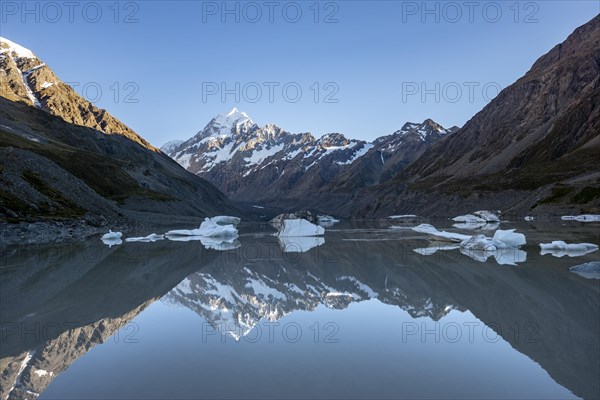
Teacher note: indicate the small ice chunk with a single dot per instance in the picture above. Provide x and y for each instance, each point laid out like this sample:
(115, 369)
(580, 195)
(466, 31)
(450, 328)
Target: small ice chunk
(590, 270)
(434, 247)
(402, 216)
(558, 248)
(529, 218)
(299, 227)
(440, 235)
(112, 235)
(150, 238)
(582, 218)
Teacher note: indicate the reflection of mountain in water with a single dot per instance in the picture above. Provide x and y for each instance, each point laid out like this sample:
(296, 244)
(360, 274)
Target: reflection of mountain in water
(90, 291)
(235, 301)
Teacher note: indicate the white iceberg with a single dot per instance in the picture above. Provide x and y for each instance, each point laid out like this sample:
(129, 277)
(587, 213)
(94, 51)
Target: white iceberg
(208, 228)
(150, 238)
(112, 235)
(590, 270)
(484, 226)
(581, 218)
(440, 235)
(504, 239)
(478, 217)
(469, 218)
(226, 220)
(299, 244)
(299, 227)
(529, 218)
(558, 248)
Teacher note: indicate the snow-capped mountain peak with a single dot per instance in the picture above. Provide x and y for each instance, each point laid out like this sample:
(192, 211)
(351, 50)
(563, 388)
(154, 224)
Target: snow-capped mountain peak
(14, 49)
(234, 121)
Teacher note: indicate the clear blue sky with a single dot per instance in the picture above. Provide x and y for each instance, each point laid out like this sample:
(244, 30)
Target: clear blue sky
(379, 55)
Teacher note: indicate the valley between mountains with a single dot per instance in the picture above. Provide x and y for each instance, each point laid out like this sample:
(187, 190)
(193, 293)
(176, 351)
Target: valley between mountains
(70, 168)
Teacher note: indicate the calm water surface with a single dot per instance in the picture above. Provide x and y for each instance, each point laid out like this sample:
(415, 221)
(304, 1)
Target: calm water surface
(358, 314)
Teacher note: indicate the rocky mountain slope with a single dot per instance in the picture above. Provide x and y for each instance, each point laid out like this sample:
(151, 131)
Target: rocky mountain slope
(26, 78)
(272, 166)
(81, 164)
(539, 138)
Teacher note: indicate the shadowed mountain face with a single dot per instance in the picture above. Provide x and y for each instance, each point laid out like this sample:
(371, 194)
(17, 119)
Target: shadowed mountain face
(539, 138)
(54, 170)
(87, 292)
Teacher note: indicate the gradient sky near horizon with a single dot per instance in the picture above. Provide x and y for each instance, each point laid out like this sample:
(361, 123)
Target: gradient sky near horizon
(364, 67)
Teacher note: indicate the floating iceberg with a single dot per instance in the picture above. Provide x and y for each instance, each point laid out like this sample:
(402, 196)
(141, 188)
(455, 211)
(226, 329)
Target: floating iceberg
(529, 218)
(112, 235)
(589, 270)
(503, 246)
(484, 226)
(581, 218)
(558, 248)
(299, 227)
(478, 217)
(299, 244)
(150, 238)
(208, 228)
(225, 220)
(440, 235)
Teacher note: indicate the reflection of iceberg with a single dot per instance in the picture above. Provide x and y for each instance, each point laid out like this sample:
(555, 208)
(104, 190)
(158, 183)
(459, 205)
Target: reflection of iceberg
(434, 247)
(150, 238)
(503, 246)
(299, 244)
(589, 270)
(558, 248)
(208, 228)
(213, 243)
(506, 256)
(112, 241)
(299, 227)
(326, 221)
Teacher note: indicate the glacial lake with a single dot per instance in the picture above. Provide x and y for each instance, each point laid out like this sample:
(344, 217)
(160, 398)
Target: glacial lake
(356, 314)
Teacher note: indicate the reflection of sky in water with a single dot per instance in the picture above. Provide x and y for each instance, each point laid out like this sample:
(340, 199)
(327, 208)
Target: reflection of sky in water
(362, 298)
(370, 359)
